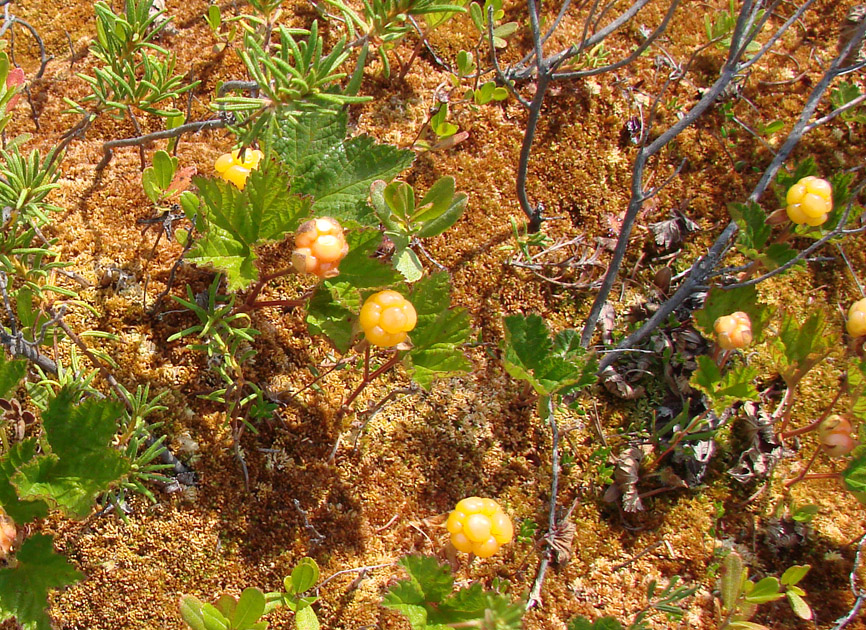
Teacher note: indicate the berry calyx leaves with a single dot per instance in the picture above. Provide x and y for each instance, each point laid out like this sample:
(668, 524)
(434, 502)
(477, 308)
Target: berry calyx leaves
(386, 318)
(809, 201)
(320, 245)
(856, 323)
(479, 526)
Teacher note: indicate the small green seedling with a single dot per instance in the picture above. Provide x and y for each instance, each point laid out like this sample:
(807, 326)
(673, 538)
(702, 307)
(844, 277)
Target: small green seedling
(227, 613)
(303, 578)
(406, 220)
(486, 93)
(739, 597)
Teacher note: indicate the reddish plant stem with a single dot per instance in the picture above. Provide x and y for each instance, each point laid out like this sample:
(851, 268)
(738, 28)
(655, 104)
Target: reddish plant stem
(679, 438)
(369, 378)
(814, 425)
(803, 475)
(257, 288)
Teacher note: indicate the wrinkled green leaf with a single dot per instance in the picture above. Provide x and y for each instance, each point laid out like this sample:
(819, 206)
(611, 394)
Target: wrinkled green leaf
(735, 385)
(11, 373)
(24, 588)
(439, 334)
(235, 222)
(18, 510)
(530, 355)
(82, 462)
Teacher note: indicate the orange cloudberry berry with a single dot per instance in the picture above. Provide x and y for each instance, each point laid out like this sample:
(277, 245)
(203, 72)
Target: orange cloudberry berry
(386, 318)
(733, 331)
(319, 247)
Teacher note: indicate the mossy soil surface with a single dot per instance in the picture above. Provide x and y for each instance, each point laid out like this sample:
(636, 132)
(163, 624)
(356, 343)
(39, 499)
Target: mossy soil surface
(473, 435)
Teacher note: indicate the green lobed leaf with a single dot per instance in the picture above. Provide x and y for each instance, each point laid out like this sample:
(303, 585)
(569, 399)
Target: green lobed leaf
(776, 255)
(529, 354)
(439, 333)
(82, 462)
(854, 474)
(24, 588)
(18, 510)
(11, 373)
(856, 375)
(339, 180)
(359, 268)
(336, 172)
(754, 230)
(800, 343)
(431, 581)
(235, 222)
(329, 317)
(735, 385)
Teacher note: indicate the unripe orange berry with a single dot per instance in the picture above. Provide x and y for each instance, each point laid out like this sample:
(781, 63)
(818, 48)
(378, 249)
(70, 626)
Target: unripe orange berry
(834, 435)
(319, 247)
(386, 318)
(856, 324)
(733, 331)
(809, 201)
(479, 526)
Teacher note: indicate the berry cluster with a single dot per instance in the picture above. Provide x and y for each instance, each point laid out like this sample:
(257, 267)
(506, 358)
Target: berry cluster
(233, 169)
(834, 435)
(809, 201)
(386, 317)
(479, 526)
(856, 324)
(319, 247)
(733, 331)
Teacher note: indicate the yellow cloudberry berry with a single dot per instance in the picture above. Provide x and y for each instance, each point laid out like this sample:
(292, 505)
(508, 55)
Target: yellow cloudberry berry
(386, 318)
(479, 526)
(733, 331)
(809, 201)
(235, 169)
(856, 324)
(320, 245)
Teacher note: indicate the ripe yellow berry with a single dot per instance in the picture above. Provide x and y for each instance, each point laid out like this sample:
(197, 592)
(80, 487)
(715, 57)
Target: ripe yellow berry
(235, 170)
(319, 247)
(856, 324)
(733, 331)
(386, 318)
(834, 435)
(809, 201)
(479, 526)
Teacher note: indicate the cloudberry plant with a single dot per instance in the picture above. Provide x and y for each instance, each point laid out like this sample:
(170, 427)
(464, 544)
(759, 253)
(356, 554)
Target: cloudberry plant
(733, 331)
(386, 318)
(234, 169)
(319, 247)
(856, 324)
(834, 435)
(809, 201)
(479, 526)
